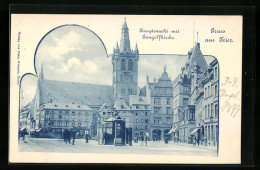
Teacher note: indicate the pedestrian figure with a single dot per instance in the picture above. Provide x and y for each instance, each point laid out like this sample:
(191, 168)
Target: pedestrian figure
(73, 139)
(86, 137)
(142, 140)
(65, 136)
(166, 139)
(146, 139)
(24, 131)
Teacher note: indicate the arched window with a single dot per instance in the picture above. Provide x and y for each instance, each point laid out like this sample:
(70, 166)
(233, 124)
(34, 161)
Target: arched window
(130, 64)
(123, 64)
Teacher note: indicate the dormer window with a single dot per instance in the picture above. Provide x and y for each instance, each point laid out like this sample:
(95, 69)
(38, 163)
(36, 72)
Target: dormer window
(78, 106)
(55, 105)
(122, 106)
(50, 100)
(67, 105)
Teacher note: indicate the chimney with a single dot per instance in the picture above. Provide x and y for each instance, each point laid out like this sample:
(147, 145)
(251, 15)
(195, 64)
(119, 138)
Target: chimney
(182, 70)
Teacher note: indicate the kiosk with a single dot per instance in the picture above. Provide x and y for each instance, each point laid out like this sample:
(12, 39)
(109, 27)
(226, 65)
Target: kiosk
(113, 132)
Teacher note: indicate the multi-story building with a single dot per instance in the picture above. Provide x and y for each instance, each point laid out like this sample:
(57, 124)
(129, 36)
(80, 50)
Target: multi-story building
(26, 119)
(160, 94)
(193, 101)
(54, 118)
(141, 112)
(210, 117)
(123, 111)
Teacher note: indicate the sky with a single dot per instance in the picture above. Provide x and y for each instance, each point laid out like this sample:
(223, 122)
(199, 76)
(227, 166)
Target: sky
(76, 54)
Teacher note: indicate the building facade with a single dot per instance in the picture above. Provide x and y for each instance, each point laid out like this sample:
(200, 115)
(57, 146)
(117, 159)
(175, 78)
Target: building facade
(210, 117)
(160, 94)
(194, 102)
(54, 118)
(141, 112)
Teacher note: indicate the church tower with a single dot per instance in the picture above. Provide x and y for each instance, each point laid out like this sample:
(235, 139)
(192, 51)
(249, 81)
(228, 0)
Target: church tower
(125, 67)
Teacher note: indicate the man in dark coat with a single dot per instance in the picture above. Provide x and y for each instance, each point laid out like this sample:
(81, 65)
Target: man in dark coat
(146, 139)
(73, 139)
(86, 137)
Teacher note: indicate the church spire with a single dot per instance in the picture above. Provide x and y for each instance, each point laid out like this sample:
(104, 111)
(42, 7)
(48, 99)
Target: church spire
(136, 48)
(117, 47)
(125, 42)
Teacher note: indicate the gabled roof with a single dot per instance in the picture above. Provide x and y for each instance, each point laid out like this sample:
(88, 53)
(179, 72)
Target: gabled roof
(71, 92)
(196, 58)
(120, 104)
(164, 81)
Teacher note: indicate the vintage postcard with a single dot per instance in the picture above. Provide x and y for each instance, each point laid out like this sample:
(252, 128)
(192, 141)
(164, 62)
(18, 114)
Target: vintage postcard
(125, 89)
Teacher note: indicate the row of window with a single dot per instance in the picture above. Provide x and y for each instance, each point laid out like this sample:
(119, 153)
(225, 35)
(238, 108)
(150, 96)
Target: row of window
(157, 101)
(140, 107)
(209, 91)
(189, 114)
(67, 124)
(130, 64)
(159, 121)
(142, 121)
(157, 110)
(211, 132)
(141, 127)
(130, 91)
(61, 112)
(142, 114)
(186, 88)
(209, 110)
(47, 116)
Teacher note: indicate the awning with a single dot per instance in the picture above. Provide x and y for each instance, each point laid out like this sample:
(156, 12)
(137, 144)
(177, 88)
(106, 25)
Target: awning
(173, 129)
(38, 130)
(22, 128)
(195, 130)
(31, 130)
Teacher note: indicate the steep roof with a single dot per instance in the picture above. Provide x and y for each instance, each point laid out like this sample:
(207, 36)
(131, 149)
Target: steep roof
(140, 100)
(120, 104)
(196, 58)
(66, 106)
(71, 92)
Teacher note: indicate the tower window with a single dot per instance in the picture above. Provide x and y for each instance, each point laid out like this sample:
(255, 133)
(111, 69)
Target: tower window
(123, 64)
(130, 64)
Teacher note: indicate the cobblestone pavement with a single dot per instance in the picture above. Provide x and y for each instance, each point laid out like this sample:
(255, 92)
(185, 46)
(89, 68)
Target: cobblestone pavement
(157, 148)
